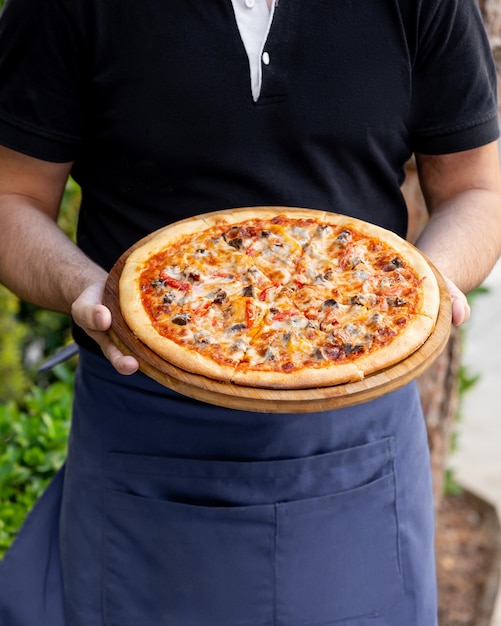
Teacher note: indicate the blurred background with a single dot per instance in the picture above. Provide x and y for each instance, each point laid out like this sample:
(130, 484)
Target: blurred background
(461, 397)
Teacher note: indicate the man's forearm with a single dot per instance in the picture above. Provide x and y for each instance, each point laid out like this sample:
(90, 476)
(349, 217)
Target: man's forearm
(463, 194)
(463, 237)
(38, 262)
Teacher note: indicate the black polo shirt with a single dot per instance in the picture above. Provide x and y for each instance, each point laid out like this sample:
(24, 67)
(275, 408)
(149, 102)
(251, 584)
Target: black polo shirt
(152, 101)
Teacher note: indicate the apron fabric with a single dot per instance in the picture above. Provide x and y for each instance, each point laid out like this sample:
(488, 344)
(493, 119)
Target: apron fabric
(170, 512)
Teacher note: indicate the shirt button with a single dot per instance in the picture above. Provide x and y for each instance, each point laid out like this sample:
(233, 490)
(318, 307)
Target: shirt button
(266, 58)
(249, 3)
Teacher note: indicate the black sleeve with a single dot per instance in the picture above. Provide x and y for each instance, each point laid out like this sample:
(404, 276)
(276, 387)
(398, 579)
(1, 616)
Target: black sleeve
(42, 79)
(454, 104)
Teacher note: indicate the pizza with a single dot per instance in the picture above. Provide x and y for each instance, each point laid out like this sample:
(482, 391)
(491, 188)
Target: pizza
(278, 298)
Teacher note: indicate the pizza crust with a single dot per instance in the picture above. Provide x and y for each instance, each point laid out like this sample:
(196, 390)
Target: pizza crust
(307, 378)
(161, 239)
(236, 216)
(401, 347)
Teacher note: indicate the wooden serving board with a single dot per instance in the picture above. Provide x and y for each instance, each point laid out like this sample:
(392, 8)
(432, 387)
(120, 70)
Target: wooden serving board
(261, 400)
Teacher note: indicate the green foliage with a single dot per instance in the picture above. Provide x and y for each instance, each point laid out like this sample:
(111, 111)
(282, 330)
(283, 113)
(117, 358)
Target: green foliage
(466, 381)
(451, 486)
(69, 208)
(34, 410)
(482, 290)
(33, 436)
(13, 379)
(28, 333)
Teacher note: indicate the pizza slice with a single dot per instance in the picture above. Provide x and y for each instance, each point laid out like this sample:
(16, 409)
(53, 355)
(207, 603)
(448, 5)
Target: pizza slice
(286, 345)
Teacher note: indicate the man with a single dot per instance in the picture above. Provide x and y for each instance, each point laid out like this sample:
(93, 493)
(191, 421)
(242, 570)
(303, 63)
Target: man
(169, 511)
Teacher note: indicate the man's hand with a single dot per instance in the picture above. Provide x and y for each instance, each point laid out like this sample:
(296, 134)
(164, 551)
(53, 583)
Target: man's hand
(89, 313)
(460, 307)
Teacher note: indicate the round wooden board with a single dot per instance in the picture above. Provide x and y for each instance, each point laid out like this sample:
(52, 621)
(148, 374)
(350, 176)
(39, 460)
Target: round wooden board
(261, 400)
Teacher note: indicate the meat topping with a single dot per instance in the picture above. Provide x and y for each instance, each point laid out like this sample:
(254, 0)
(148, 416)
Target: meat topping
(181, 319)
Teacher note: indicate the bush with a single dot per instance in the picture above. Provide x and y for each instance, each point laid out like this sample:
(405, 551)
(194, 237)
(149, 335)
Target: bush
(34, 409)
(33, 439)
(13, 379)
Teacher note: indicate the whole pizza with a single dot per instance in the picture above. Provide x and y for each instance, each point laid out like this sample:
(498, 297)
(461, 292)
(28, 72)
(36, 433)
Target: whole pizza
(279, 298)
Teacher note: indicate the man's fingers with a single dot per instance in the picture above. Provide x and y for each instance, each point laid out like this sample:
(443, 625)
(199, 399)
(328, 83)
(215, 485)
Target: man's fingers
(460, 310)
(122, 363)
(101, 317)
(460, 307)
(95, 319)
(88, 310)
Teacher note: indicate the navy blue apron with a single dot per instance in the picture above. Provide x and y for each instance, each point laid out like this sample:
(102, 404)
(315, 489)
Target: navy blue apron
(170, 512)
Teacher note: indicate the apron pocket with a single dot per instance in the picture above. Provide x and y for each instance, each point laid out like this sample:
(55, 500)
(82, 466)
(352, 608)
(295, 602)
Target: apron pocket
(168, 563)
(337, 557)
(197, 542)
